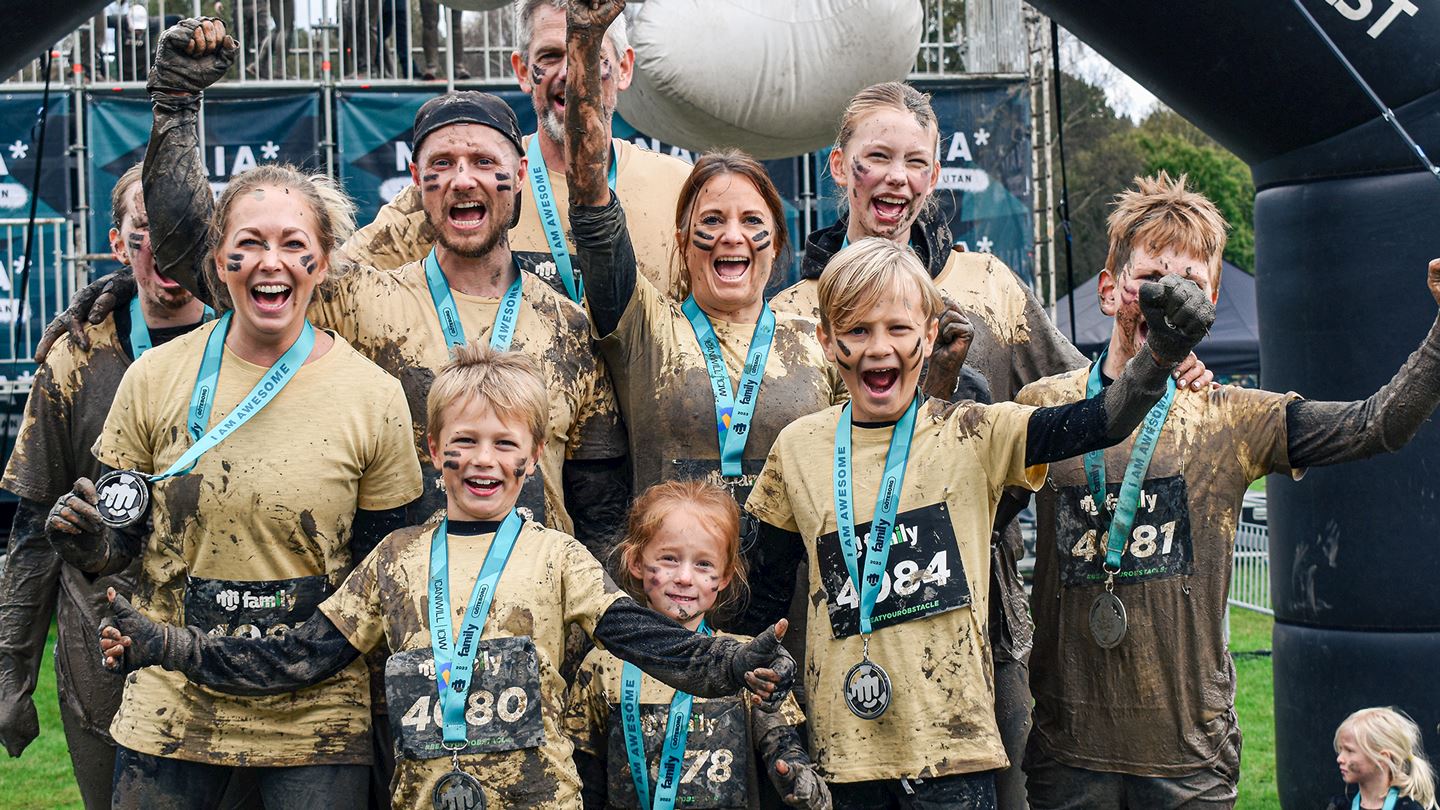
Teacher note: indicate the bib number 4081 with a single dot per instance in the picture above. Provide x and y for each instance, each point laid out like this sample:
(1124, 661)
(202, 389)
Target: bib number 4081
(1145, 540)
(480, 709)
(905, 578)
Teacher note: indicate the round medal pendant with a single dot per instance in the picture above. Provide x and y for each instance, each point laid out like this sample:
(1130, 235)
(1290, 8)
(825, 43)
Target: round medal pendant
(1108, 621)
(124, 498)
(867, 690)
(458, 790)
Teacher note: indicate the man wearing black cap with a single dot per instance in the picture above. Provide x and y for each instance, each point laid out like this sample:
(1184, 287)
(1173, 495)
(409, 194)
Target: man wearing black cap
(468, 158)
(647, 183)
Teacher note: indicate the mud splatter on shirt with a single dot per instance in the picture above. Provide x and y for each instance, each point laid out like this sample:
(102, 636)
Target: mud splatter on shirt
(335, 439)
(1161, 703)
(932, 624)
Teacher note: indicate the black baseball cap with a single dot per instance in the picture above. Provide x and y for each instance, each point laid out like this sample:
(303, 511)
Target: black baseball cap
(466, 107)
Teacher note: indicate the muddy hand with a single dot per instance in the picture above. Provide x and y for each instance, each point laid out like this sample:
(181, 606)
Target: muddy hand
(132, 641)
(1434, 279)
(952, 343)
(594, 14)
(75, 512)
(91, 304)
(1178, 315)
(193, 55)
(800, 786)
(765, 667)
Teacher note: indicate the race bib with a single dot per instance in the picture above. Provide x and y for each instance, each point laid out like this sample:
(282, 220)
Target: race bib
(716, 771)
(926, 575)
(252, 609)
(708, 470)
(542, 264)
(1159, 545)
(502, 709)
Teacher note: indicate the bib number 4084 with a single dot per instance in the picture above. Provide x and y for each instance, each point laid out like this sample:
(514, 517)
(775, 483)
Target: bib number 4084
(905, 578)
(480, 709)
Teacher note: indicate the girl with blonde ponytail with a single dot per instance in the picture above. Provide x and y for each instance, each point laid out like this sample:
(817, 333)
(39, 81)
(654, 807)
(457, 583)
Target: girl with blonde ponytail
(1379, 751)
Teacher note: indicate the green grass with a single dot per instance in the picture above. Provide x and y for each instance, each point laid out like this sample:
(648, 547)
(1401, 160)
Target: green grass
(42, 776)
(1255, 705)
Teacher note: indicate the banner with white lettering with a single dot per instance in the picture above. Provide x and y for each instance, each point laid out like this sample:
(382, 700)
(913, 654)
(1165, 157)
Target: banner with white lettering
(20, 149)
(241, 132)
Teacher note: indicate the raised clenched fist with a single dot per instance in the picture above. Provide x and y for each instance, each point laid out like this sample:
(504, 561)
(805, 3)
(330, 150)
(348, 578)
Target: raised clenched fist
(193, 55)
(594, 14)
(1179, 316)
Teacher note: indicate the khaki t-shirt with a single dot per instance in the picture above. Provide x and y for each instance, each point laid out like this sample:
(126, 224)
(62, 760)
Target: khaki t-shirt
(64, 414)
(664, 389)
(1162, 702)
(647, 183)
(390, 317)
(253, 538)
(930, 627)
(550, 580)
(719, 766)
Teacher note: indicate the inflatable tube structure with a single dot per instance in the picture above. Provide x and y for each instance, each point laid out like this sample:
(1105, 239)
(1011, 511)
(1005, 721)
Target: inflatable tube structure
(768, 77)
(1344, 215)
(30, 25)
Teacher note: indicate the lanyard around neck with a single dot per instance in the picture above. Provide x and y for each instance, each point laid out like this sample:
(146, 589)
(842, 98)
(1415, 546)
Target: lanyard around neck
(733, 409)
(501, 334)
(550, 216)
(887, 505)
(1391, 797)
(1140, 456)
(140, 331)
(455, 657)
(672, 753)
(203, 399)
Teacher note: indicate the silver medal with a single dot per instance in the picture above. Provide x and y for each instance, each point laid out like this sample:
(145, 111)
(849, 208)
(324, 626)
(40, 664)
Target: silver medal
(458, 790)
(1108, 621)
(867, 690)
(124, 498)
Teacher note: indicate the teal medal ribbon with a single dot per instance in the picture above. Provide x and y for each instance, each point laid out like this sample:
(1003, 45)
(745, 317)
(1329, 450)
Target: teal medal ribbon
(140, 331)
(455, 657)
(733, 409)
(867, 685)
(1108, 619)
(501, 334)
(550, 216)
(672, 754)
(125, 495)
(1391, 797)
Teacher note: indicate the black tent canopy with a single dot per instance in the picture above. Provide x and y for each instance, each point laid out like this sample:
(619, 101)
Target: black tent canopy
(1232, 348)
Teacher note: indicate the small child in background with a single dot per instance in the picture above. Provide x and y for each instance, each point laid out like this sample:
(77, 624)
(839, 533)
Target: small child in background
(1379, 751)
(681, 556)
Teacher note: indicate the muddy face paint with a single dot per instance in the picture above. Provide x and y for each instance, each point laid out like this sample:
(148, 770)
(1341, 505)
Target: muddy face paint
(520, 472)
(234, 260)
(915, 355)
(703, 241)
(761, 240)
(858, 169)
(308, 262)
(452, 465)
(136, 241)
(605, 69)
(501, 176)
(537, 75)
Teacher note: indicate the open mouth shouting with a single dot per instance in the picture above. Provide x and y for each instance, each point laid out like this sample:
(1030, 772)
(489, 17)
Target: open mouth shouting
(271, 296)
(732, 268)
(466, 215)
(482, 486)
(889, 209)
(880, 382)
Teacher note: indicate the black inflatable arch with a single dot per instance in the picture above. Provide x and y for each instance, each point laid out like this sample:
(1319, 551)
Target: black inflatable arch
(1345, 221)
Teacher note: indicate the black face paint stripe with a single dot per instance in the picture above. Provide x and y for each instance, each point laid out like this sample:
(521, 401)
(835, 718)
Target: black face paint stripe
(452, 465)
(843, 348)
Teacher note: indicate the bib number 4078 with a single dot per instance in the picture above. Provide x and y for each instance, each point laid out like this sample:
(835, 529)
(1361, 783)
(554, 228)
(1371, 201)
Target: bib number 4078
(905, 578)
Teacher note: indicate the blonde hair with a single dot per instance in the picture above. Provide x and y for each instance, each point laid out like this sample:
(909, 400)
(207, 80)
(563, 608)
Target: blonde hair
(1161, 213)
(508, 384)
(859, 276)
(886, 96)
(1392, 741)
(649, 512)
(120, 195)
(333, 209)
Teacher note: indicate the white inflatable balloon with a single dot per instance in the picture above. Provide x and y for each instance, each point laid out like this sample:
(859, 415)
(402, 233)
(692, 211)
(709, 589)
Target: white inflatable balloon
(768, 76)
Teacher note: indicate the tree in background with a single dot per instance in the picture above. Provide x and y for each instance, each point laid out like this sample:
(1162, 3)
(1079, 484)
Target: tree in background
(1105, 150)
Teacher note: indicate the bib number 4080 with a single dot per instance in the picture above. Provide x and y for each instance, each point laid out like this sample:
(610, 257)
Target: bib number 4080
(905, 579)
(480, 709)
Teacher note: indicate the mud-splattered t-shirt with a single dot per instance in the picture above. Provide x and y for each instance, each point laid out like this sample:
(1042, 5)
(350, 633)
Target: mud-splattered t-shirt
(390, 317)
(1161, 703)
(551, 580)
(930, 624)
(253, 538)
(665, 393)
(64, 414)
(647, 183)
(719, 770)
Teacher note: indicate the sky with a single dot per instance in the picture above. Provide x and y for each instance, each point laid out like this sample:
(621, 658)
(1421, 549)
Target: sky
(1124, 93)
